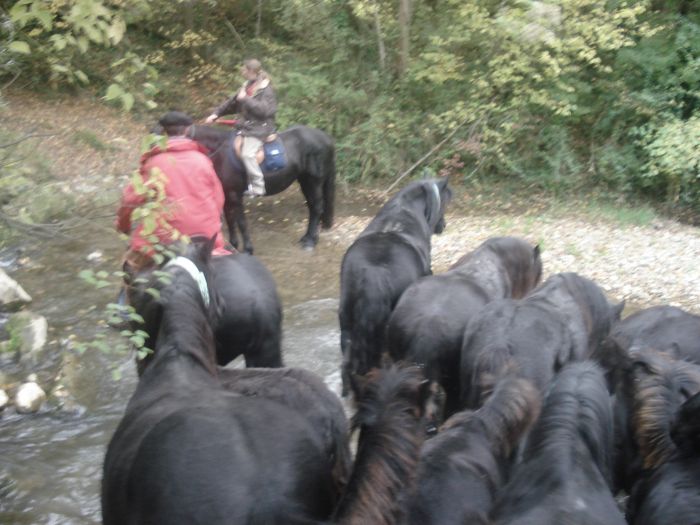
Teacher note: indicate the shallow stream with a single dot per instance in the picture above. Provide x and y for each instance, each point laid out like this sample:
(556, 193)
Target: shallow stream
(51, 462)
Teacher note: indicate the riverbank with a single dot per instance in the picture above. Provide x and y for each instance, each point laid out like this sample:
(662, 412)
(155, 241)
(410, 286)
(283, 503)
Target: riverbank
(92, 149)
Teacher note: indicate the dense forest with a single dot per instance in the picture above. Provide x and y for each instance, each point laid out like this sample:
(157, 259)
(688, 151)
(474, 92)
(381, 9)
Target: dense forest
(561, 95)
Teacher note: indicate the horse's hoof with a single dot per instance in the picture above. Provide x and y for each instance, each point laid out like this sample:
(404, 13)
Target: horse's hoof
(249, 250)
(307, 244)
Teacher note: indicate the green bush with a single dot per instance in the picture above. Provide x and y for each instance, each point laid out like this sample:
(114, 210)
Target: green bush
(673, 163)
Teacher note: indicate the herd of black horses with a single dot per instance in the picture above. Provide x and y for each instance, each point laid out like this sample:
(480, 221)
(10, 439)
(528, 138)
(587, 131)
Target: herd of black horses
(481, 394)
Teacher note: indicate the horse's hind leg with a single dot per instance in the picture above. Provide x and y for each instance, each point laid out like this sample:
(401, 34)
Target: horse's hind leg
(313, 192)
(230, 213)
(242, 222)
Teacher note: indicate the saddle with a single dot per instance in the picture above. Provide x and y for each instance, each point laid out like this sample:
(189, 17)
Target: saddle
(260, 155)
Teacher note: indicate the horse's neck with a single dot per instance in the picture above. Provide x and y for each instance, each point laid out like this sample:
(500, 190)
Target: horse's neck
(185, 347)
(211, 138)
(383, 474)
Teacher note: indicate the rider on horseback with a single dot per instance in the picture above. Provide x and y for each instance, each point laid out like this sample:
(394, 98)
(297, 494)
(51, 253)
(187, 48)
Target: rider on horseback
(257, 104)
(191, 193)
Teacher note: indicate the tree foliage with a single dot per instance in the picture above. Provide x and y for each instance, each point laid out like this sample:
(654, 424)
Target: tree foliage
(559, 93)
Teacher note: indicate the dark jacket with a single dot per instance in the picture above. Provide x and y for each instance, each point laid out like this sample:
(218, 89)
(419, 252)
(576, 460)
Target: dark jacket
(257, 110)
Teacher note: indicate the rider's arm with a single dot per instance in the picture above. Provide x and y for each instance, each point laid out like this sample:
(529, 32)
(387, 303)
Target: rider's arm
(229, 106)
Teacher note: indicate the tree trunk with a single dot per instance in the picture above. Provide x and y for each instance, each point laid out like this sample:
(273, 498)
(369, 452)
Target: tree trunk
(380, 40)
(405, 28)
(258, 23)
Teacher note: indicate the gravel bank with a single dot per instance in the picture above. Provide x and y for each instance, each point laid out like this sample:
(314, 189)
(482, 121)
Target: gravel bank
(644, 265)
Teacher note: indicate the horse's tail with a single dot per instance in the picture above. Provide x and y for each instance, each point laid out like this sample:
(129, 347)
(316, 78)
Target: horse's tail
(328, 188)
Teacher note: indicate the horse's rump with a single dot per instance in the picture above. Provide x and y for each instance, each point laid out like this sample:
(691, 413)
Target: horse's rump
(306, 393)
(251, 320)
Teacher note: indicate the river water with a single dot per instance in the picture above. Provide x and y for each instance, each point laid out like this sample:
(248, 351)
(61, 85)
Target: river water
(51, 462)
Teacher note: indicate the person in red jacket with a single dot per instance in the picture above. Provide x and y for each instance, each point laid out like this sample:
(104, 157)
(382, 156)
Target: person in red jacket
(179, 187)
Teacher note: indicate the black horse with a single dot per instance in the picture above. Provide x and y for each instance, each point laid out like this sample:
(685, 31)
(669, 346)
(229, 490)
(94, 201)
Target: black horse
(389, 416)
(650, 386)
(564, 475)
(563, 320)
(306, 393)
(463, 467)
(189, 451)
(666, 424)
(428, 323)
(248, 321)
(669, 493)
(390, 254)
(663, 327)
(310, 160)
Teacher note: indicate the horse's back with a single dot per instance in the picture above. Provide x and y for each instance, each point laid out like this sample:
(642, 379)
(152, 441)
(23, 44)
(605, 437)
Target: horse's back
(228, 451)
(661, 327)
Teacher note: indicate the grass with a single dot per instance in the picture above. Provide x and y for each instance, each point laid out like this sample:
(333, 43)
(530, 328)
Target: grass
(642, 215)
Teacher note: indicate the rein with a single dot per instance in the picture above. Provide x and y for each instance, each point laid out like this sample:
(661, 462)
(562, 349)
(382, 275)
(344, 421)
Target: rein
(198, 276)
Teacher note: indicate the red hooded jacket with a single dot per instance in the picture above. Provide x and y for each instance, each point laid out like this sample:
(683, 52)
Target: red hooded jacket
(194, 196)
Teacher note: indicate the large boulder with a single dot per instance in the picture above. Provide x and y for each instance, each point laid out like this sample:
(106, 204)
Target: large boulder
(29, 397)
(12, 295)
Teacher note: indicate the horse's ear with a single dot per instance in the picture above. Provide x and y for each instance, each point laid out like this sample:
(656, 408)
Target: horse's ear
(205, 248)
(442, 182)
(536, 252)
(617, 310)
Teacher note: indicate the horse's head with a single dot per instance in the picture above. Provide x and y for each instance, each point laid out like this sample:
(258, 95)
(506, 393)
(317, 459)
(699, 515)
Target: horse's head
(658, 385)
(188, 276)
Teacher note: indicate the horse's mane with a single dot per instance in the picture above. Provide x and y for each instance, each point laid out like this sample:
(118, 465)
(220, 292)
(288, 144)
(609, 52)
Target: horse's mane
(661, 385)
(389, 417)
(490, 366)
(504, 417)
(576, 417)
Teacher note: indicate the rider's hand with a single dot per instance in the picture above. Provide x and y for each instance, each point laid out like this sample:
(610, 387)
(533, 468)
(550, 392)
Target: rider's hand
(211, 118)
(241, 94)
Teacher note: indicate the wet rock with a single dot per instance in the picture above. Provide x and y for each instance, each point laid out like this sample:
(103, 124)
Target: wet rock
(29, 397)
(28, 333)
(12, 295)
(4, 400)
(95, 256)
(66, 402)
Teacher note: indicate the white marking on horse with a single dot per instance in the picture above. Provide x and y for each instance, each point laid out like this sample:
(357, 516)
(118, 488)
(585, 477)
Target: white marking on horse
(191, 268)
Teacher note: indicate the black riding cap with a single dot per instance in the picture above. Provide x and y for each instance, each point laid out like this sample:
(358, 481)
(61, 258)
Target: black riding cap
(175, 118)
